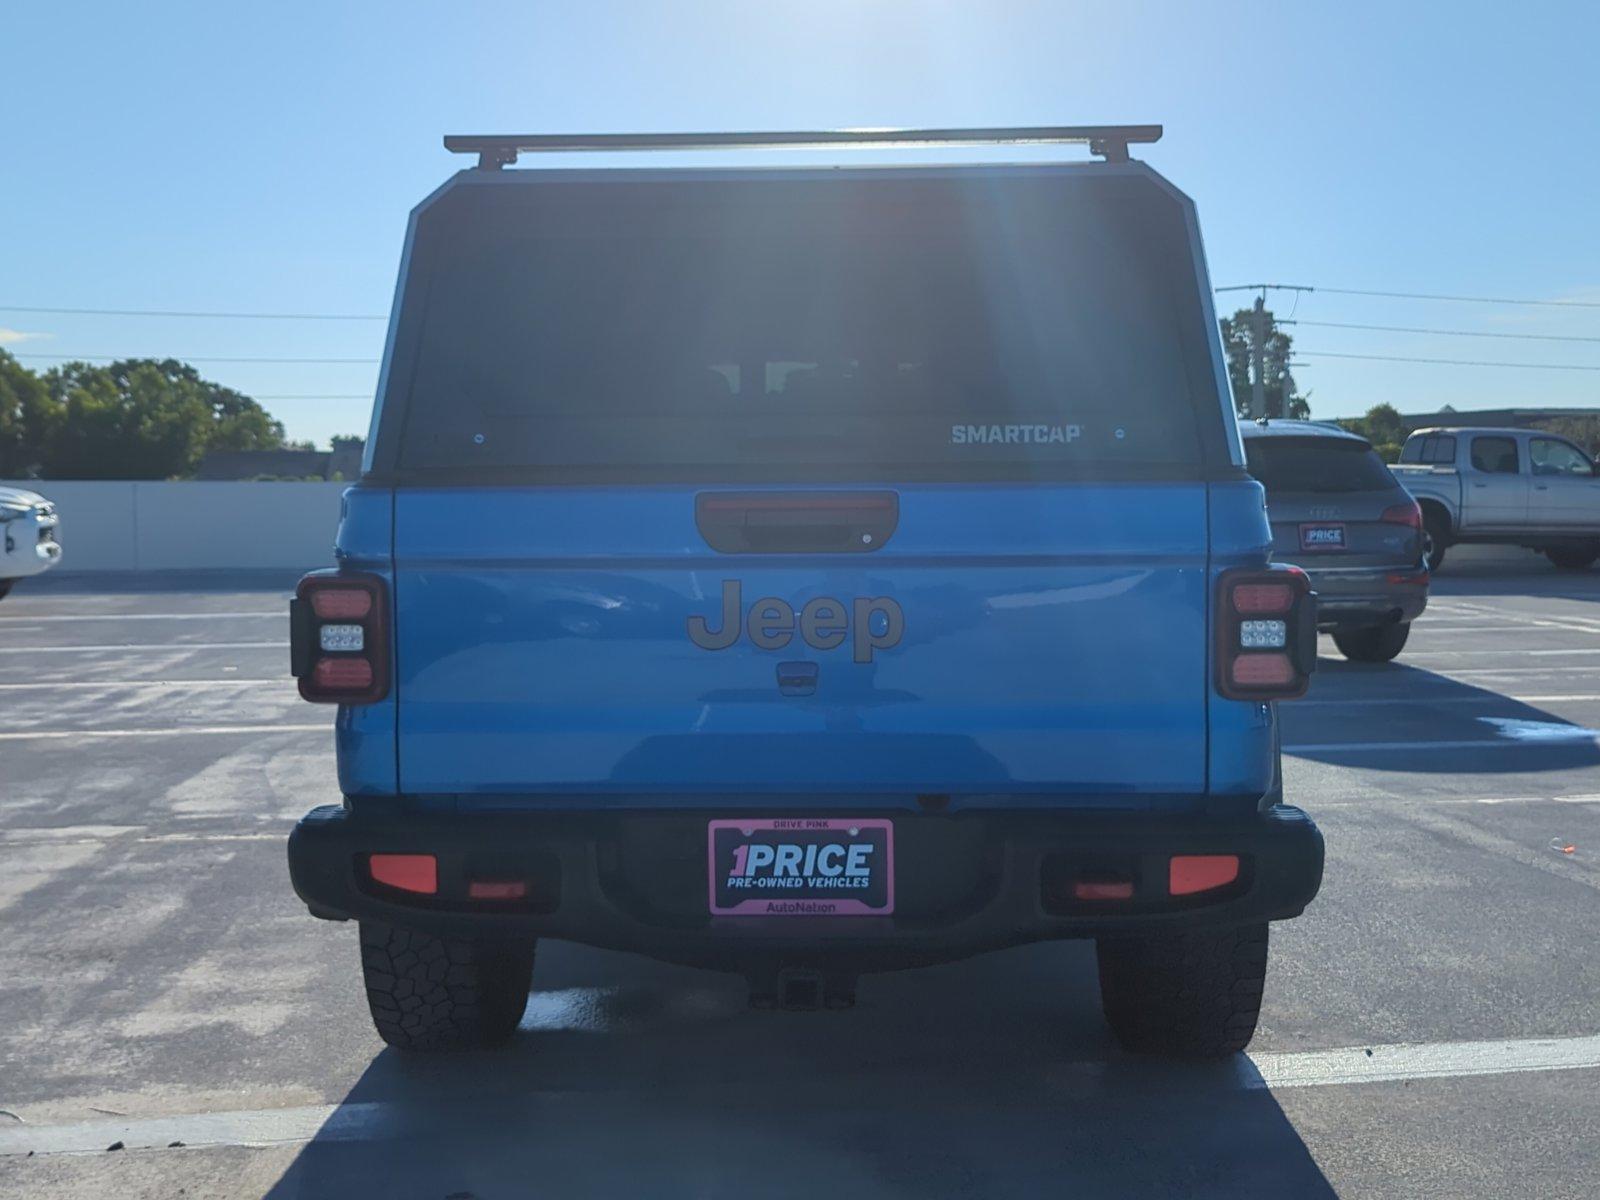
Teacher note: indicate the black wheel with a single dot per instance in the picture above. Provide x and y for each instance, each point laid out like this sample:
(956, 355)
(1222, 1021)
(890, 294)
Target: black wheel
(1435, 538)
(5, 587)
(1185, 995)
(1574, 558)
(429, 993)
(1375, 644)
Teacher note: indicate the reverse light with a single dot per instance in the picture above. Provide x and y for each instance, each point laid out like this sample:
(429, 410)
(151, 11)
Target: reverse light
(1257, 635)
(338, 638)
(342, 637)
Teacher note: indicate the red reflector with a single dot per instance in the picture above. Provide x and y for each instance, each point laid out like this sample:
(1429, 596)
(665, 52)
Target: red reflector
(1263, 597)
(485, 889)
(1411, 578)
(409, 872)
(1403, 514)
(342, 674)
(1191, 873)
(1088, 889)
(1257, 670)
(341, 604)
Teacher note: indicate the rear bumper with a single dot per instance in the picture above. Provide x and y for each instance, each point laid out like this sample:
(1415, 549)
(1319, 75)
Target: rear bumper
(965, 883)
(1348, 598)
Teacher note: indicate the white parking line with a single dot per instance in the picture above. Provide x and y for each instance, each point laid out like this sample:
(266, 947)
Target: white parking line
(166, 731)
(373, 1121)
(10, 650)
(173, 616)
(1486, 698)
(144, 684)
(1578, 739)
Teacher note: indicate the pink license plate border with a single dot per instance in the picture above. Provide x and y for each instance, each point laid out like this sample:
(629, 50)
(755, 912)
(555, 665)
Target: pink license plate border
(841, 908)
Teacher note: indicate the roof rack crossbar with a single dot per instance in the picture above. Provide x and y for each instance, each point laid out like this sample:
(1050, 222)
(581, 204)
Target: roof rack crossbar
(1109, 142)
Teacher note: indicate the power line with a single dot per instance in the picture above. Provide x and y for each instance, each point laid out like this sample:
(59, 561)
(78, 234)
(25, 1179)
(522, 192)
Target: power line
(1283, 287)
(187, 359)
(1536, 337)
(1452, 362)
(156, 312)
(1462, 299)
(355, 396)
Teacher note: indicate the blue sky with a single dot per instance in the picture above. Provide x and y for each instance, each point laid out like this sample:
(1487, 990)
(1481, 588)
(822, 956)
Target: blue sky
(263, 158)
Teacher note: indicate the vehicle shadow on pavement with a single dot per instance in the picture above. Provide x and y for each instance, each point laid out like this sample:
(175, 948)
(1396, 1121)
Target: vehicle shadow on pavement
(993, 1077)
(1428, 722)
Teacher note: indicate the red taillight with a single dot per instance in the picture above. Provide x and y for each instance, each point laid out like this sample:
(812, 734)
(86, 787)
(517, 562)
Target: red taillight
(1266, 633)
(1403, 514)
(338, 638)
(1191, 873)
(1262, 670)
(408, 872)
(342, 674)
(1254, 598)
(333, 603)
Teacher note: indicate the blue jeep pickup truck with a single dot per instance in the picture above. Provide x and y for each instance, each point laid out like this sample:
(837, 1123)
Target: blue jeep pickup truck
(804, 573)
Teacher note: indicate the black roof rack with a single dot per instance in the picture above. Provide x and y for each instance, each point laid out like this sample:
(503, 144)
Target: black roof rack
(1108, 141)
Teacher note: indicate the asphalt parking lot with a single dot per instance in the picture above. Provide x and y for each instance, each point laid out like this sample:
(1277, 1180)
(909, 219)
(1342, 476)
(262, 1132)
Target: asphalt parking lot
(1432, 1025)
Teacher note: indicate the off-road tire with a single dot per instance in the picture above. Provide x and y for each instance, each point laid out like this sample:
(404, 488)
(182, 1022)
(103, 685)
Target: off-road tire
(1374, 643)
(430, 993)
(1574, 558)
(1195, 994)
(1435, 539)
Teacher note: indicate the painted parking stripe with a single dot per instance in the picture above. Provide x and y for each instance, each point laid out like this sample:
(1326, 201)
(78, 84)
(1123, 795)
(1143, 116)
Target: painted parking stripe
(141, 646)
(146, 684)
(53, 618)
(379, 1121)
(1487, 698)
(1583, 737)
(164, 731)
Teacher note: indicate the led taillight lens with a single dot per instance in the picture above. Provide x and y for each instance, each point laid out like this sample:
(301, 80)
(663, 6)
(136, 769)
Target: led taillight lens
(342, 674)
(334, 603)
(1266, 633)
(1262, 597)
(338, 638)
(1403, 514)
(1262, 670)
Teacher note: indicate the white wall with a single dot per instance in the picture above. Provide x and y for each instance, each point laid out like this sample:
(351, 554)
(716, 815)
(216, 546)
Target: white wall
(115, 525)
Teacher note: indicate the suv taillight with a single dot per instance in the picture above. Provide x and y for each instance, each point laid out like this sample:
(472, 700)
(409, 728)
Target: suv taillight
(339, 638)
(1266, 633)
(1403, 514)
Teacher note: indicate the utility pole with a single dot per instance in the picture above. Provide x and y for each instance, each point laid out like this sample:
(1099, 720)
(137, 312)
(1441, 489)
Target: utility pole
(1258, 348)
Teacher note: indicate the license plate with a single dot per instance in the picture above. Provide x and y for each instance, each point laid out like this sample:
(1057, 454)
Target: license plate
(1322, 537)
(801, 867)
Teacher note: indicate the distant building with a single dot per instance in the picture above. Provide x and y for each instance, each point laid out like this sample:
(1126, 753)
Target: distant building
(1517, 418)
(342, 462)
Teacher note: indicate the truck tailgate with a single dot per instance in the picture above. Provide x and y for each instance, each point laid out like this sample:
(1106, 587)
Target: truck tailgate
(1053, 641)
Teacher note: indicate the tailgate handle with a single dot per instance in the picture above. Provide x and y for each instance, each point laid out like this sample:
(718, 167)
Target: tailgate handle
(796, 522)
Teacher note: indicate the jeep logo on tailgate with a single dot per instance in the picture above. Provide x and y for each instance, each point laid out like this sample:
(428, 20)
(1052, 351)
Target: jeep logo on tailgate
(823, 623)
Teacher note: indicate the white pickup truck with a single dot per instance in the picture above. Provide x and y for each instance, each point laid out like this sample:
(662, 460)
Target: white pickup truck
(1517, 487)
(28, 542)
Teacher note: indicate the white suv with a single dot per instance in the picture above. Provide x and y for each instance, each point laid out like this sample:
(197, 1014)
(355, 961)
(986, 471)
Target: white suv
(28, 530)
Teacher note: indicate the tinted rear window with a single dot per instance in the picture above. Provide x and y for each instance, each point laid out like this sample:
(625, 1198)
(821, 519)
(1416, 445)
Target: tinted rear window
(1315, 464)
(806, 329)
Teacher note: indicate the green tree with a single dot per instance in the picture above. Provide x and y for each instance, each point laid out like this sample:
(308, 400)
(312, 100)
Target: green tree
(146, 419)
(1382, 427)
(27, 417)
(1279, 379)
